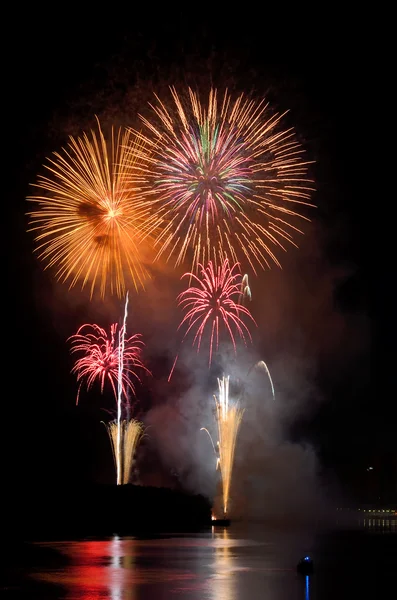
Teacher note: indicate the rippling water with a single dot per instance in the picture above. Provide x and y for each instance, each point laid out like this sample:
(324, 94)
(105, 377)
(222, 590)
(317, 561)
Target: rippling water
(234, 563)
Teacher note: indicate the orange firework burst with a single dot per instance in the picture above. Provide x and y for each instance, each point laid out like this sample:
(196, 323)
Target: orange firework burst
(91, 218)
(225, 179)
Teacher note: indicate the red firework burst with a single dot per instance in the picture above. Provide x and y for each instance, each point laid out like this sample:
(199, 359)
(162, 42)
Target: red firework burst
(101, 356)
(214, 302)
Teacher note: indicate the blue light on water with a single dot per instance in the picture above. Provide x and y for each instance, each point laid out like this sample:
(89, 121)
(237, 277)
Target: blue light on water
(307, 587)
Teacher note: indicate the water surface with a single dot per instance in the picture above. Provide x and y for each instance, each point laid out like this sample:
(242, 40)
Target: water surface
(253, 562)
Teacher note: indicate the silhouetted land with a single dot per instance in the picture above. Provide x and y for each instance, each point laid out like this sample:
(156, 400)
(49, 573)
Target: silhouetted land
(100, 510)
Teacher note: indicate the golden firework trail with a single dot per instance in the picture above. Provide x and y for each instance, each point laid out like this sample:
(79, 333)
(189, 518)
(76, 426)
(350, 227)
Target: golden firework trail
(226, 180)
(130, 433)
(228, 419)
(90, 219)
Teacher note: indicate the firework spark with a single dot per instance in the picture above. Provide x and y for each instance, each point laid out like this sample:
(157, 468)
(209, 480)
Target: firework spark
(212, 303)
(228, 418)
(100, 358)
(91, 219)
(262, 365)
(245, 291)
(130, 433)
(225, 178)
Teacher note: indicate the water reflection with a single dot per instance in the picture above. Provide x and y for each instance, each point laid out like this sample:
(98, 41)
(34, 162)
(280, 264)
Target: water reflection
(307, 587)
(120, 568)
(223, 585)
(119, 563)
(221, 564)
(97, 569)
(380, 525)
(228, 563)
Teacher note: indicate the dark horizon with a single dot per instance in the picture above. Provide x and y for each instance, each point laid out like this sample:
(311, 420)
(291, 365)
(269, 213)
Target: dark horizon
(326, 321)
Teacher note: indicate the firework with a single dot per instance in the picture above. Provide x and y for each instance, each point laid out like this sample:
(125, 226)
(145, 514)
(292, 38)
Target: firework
(213, 303)
(100, 358)
(121, 352)
(124, 438)
(114, 358)
(90, 218)
(245, 290)
(225, 178)
(262, 365)
(228, 418)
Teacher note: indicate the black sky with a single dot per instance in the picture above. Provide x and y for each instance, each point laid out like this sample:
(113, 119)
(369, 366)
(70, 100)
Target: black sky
(327, 73)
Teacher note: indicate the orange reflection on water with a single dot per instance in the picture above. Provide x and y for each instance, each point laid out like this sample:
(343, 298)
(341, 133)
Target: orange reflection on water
(223, 585)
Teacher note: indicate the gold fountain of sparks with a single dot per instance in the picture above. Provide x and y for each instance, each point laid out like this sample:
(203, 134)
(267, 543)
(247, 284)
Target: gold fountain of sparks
(90, 218)
(228, 418)
(131, 433)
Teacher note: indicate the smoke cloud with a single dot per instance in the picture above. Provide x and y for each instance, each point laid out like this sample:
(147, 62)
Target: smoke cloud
(301, 332)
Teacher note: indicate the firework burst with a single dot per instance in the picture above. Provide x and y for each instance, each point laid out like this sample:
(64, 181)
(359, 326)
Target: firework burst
(213, 303)
(91, 220)
(226, 180)
(100, 358)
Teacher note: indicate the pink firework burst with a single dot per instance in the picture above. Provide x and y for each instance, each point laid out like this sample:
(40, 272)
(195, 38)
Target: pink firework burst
(213, 303)
(100, 358)
(226, 179)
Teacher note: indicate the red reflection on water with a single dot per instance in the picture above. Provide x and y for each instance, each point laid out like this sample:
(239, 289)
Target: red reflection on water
(108, 567)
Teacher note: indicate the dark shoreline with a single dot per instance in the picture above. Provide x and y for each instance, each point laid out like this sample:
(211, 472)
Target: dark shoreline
(102, 510)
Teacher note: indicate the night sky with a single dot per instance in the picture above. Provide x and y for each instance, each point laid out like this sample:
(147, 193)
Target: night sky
(325, 321)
